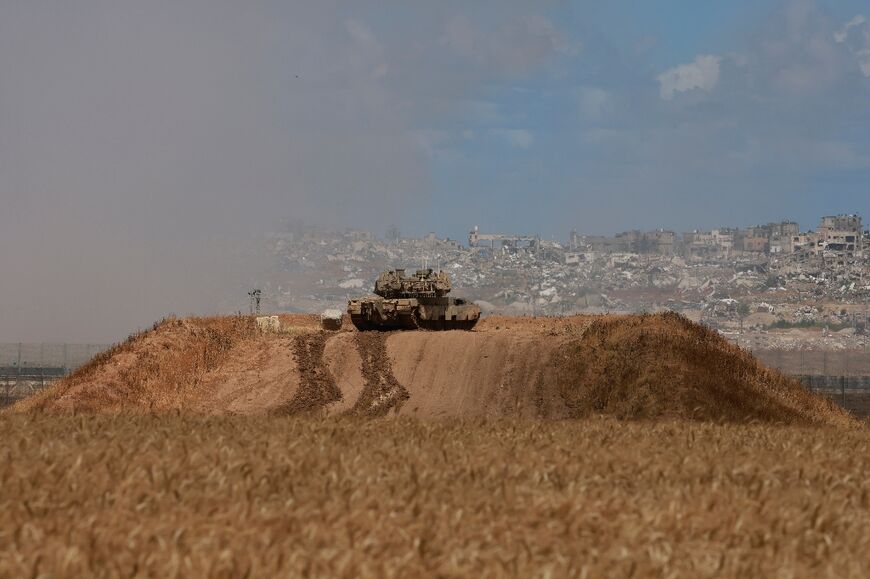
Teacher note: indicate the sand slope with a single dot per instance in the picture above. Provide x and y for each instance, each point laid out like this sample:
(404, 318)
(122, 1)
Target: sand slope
(633, 367)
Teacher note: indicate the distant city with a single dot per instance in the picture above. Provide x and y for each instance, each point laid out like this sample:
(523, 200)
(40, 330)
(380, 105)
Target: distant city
(838, 237)
(749, 281)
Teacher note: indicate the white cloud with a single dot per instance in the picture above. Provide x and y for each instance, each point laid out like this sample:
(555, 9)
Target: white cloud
(859, 45)
(702, 73)
(842, 34)
(517, 138)
(796, 53)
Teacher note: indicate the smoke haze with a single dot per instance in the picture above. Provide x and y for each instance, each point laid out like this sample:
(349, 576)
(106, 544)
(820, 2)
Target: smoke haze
(141, 144)
(144, 146)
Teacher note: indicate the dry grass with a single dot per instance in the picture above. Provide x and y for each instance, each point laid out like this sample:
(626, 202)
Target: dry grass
(156, 370)
(665, 366)
(173, 495)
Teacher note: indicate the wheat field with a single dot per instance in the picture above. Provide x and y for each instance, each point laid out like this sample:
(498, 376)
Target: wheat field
(181, 496)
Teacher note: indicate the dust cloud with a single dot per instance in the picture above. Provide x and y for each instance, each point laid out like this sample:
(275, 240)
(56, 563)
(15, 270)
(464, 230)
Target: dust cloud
(145, 147)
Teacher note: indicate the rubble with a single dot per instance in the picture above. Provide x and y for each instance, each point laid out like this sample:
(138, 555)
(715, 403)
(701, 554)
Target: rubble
(803, 289)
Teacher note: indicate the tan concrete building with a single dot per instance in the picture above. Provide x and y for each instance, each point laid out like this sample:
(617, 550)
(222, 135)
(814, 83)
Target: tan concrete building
(840, 234)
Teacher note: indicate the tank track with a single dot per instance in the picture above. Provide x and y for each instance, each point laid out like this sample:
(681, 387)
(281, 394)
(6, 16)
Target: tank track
(412, 323)
(446, 324)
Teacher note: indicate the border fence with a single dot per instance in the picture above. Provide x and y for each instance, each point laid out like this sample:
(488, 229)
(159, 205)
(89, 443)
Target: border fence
(26, 368)
(841, 375)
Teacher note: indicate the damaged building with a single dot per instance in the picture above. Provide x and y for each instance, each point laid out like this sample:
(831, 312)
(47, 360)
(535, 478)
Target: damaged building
(731, 278)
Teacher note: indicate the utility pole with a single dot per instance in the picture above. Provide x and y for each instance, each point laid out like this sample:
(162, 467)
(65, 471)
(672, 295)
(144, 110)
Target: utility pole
(254, 296)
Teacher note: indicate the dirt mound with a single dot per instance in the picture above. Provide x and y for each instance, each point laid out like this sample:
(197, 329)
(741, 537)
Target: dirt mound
(160, 369)
(633, 367)
(498, 373)
(665, 366)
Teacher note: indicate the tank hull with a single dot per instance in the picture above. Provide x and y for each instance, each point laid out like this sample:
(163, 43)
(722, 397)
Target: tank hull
(437, 313)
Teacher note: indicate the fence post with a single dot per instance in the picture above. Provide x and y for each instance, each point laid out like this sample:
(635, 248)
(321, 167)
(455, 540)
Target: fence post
(843, 390)
(18, 367)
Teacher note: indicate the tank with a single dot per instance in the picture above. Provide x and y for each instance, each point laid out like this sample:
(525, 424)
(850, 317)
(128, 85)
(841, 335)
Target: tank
(402, 302)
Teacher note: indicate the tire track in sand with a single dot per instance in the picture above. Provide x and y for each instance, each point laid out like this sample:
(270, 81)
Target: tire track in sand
(382, 392)
(317, 386)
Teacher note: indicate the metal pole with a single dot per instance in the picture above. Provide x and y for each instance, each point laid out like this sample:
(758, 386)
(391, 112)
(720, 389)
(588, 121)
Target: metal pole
(843, 389)
(18, 366)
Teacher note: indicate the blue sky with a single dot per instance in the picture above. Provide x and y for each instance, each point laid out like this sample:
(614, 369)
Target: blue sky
(603, 150)
(537, 116)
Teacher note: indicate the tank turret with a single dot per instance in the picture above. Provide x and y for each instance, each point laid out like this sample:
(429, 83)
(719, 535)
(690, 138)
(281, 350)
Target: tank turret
(423, 284)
